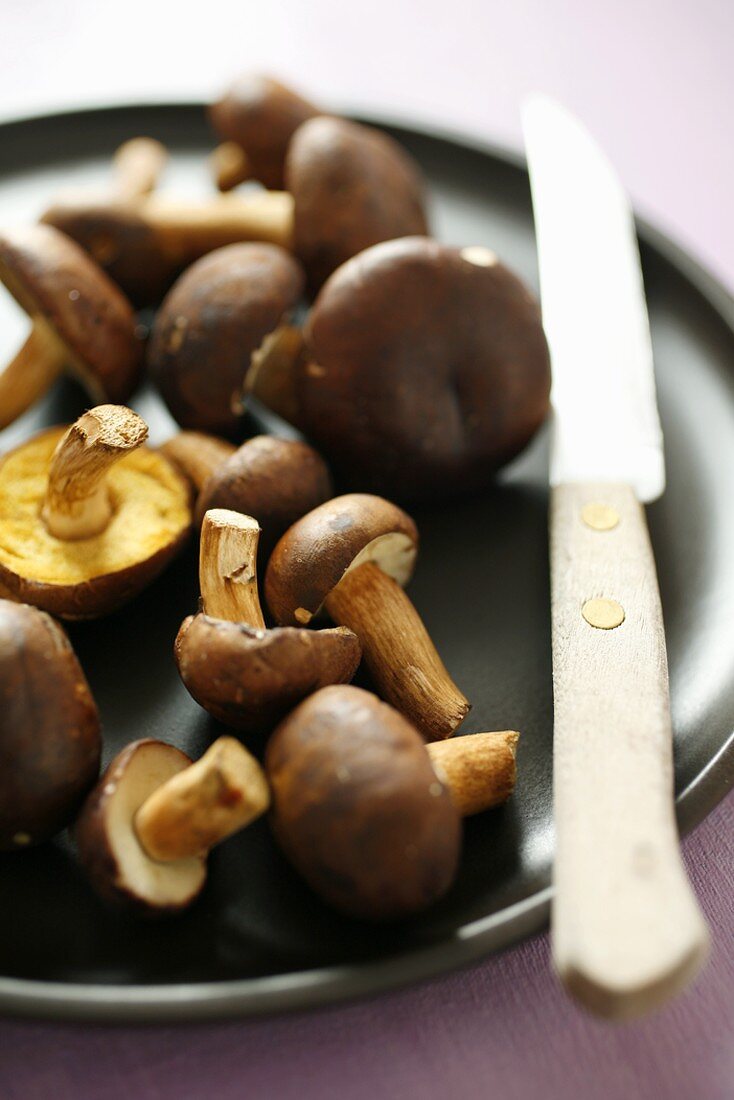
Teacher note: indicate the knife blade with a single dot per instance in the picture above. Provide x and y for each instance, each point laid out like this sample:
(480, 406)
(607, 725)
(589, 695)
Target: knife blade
(627, 932)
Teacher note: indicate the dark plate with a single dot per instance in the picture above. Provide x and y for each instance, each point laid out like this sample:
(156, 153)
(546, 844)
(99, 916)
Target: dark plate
(258, 941)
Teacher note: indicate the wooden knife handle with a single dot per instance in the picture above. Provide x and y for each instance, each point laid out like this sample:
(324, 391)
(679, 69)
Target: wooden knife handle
(626, 927)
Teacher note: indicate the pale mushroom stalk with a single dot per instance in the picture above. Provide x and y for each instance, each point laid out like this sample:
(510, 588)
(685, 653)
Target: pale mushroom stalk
(400, 656)
(197, 455)
(203, 804)
(227, 568)
(185, 230)
(77, 503)
(230, 165)
(31, 372)
(273, 374)
(137, 166)
(479, 768)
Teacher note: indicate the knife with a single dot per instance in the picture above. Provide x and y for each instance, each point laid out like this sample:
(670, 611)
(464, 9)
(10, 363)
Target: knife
(627, 932)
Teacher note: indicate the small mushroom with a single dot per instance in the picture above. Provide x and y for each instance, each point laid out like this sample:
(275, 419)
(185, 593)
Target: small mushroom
(81, 322)
(257, 117)
(426, 368)
(364, 813)
(352, 556)
(146, 829)
(244, 675)
(89, 516)
(49, 730)
(218, 318)
(349, 186)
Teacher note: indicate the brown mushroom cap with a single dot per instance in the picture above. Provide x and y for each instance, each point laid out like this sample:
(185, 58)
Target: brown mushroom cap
(212, 322)
(92, 576)
(117, 865)
(248, 678)
(358, 807)
(51, 277)
(275, 480)
(50, 739)
(427, 369)
(261, 115)
(315, 553)
(352, 187)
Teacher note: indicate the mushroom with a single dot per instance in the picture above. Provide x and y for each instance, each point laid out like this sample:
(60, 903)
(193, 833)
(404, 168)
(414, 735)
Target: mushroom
(426, 369)
(137, 165)
(81, 322)
(352, 556)
(244, 675)
(257, 117)
(89, 516)
(364, 814)
(214, 323)
(147, 827)
(50, 734)
(196, 455)
(349, 186)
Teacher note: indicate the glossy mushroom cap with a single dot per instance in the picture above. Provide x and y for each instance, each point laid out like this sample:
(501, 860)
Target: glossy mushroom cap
(50, 732)
(315, 553)
(274, 480)
(249, 678)
(352, 187)
(212, 322)
(51, 277)
(116, 863)
(358, 807)
(92, 576)
(261, 115)
(427, 369)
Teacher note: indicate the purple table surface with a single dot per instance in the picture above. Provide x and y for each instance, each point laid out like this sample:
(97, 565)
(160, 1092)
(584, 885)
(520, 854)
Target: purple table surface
(654, 81)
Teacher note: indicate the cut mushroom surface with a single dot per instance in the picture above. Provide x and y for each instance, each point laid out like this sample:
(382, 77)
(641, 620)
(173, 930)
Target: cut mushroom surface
(90, 516)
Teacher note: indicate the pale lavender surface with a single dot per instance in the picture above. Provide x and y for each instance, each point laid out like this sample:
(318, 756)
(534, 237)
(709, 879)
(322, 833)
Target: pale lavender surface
(654, 81)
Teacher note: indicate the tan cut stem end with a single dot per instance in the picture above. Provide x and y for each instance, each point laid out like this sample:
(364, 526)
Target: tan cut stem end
(228, 567)
(479, 768)
(204, 804)
(77, 504)
(230, 165)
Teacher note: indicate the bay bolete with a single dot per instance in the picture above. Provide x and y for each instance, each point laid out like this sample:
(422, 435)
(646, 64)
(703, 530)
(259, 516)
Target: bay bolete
(256, 118)
(90, 517)
(426, 369)
(218, 318)
(146, 829)
(363, 812)
(81, 322)
(352, 556)
(49, 730)
(245, 675)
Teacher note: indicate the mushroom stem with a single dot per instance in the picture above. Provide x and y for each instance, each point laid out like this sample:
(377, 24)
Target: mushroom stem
(230, 165)
(196, 455)
(36, 366)
(479, 768)
(77, 503)
(185, 230)
(400, 655)
(138, 165)
(272, 377)
(228, 568)
(203, 804)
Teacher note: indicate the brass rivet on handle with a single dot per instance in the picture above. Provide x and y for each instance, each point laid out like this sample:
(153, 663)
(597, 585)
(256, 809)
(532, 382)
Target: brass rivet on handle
(603, 614)
(601, 517)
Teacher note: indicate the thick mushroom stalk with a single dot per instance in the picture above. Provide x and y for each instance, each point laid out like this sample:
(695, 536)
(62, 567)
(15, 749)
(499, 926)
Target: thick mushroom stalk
(197, 455)
(137, 166)
(77, 503)
(227, 568)
(204, 804)
(31, 372)
(479, 769)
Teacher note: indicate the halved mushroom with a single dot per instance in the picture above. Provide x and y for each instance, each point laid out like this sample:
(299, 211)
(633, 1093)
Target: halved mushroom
(349, 186)
(81, 322)
(352, 556)
(426, 368)
(146, 829)
(244, 675)
(89, 516)
(214, 323)
(256, 118)
(364, 812)
(49, 730)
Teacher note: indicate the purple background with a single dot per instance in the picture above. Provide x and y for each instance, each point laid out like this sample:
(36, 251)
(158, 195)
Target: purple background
(654, 81)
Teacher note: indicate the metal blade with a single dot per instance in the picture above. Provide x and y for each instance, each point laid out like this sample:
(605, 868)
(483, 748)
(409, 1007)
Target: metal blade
(606, 425)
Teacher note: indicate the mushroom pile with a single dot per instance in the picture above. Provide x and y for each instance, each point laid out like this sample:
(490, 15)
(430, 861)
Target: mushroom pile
(399, 368)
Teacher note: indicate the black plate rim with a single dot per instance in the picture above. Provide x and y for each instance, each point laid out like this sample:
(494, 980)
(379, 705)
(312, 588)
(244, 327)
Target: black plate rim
(191, 1002)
